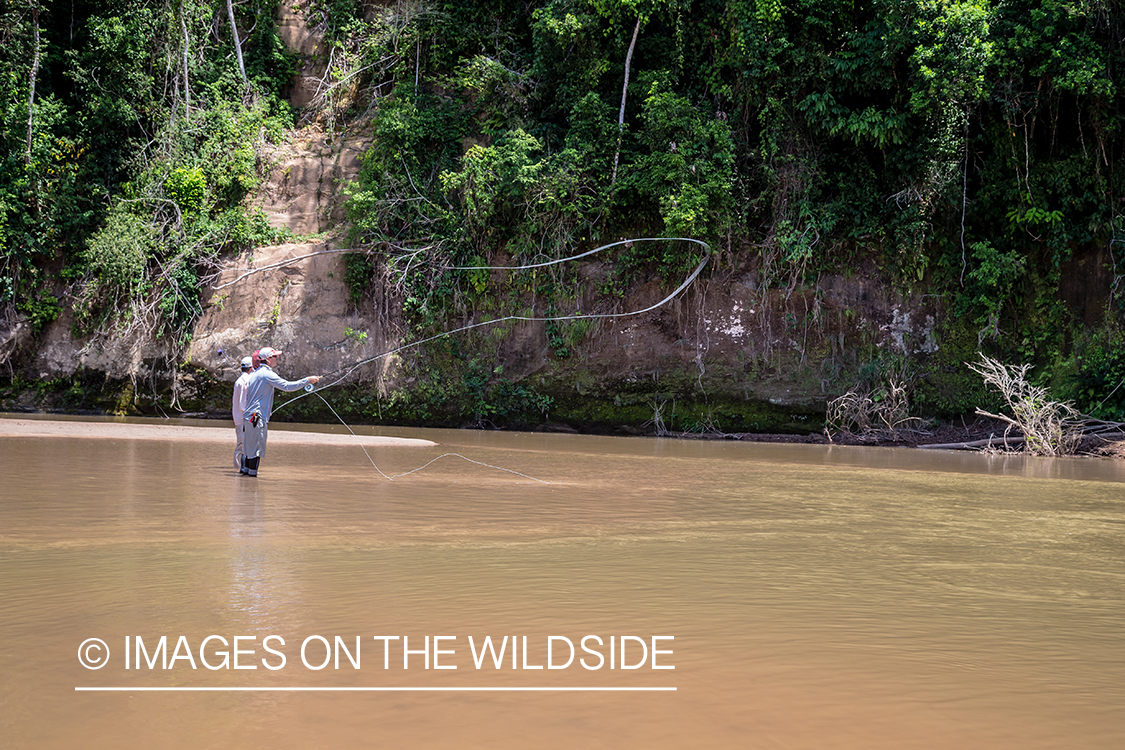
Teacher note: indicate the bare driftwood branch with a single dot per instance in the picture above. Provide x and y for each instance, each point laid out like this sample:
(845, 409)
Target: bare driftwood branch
(882, 414)
(1042, 426)
(1051, 428)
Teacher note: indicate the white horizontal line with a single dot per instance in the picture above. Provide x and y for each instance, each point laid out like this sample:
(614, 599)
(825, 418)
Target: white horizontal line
(371, 689)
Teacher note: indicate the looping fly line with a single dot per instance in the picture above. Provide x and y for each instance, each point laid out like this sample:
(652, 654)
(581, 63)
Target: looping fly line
(535, 319)
(393, 477)
(525, 318)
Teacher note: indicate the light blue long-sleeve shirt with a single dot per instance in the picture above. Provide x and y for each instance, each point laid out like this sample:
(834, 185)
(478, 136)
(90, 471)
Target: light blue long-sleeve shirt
(259, 391)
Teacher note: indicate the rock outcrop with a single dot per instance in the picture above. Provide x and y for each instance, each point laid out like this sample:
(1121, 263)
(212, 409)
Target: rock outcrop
(300, 307)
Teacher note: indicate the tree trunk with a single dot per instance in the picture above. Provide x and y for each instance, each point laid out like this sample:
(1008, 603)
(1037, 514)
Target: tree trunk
(624, 92)
(31, 83)
(183, 28)
(237, 43)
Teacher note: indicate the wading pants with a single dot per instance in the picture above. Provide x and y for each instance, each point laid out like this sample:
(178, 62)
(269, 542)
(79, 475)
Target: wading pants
(254, 443)
(239, 452)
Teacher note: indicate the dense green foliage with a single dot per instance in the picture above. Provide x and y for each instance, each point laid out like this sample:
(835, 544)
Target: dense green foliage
(124, 169)
(967, 149)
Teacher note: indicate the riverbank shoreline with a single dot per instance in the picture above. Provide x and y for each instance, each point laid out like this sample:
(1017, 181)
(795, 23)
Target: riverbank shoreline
(966, 437)
(52, 425)
(943, 433)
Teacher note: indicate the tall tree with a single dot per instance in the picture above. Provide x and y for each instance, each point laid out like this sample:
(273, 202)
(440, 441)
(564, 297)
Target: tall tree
(624, 94)
(620, 9)
(187, 85)
(237, 43)
(31, 79)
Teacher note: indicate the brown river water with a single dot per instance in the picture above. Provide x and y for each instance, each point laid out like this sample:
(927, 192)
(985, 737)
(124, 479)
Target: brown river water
(806, 596)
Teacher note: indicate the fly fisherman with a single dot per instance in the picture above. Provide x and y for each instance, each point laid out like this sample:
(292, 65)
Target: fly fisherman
(237, 408)
(259, 406)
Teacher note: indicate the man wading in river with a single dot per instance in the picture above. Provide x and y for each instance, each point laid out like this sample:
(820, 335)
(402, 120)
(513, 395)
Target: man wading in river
(238, 407)
(259, 406)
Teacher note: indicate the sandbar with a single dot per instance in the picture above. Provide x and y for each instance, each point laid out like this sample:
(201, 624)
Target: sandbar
(224, 434)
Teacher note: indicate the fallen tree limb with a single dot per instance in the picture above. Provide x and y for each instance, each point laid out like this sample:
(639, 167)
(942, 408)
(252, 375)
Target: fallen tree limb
(975, 444)
(1013, 441)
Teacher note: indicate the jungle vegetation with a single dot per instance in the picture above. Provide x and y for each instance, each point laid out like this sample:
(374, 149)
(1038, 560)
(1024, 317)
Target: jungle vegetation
(965, 149)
